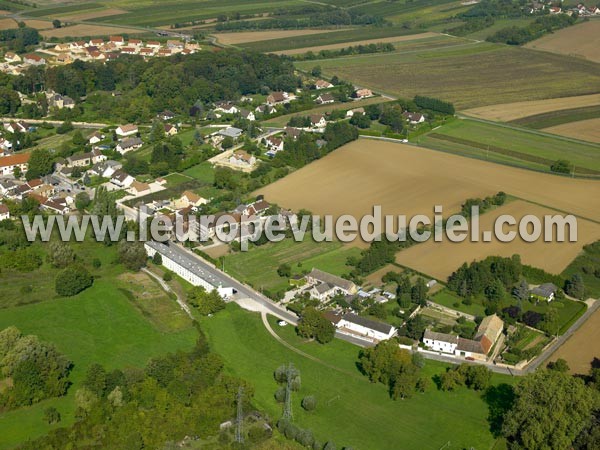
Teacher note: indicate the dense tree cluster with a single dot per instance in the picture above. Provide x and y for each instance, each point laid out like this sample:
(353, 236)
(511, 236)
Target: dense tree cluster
(313, 325)
(19, 39)
(72, 280)
(37, 370)
(379, 47)
(473, 376)
(129, 409)
(482, 204)
(205, 302)
(520, 35)
(434, 104)
(389, 364)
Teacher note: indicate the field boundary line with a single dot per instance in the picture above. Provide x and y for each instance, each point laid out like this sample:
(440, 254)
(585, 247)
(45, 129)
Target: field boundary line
(557, 209)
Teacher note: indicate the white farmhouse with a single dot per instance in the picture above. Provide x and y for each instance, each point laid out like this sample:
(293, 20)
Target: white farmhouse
(350, 323)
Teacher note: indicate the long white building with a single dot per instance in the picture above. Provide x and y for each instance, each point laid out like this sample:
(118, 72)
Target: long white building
(185, 265)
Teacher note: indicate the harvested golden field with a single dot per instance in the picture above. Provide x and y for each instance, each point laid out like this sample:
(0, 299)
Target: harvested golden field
(92, 14)
(512, 111)
(587, 130)
(410, 180)
(255, 36)
(582, 40)
(39, 24)
(581, 348)
(6, 24)
(4, 12)
(88, 30)
(410, 37)
(440, 259)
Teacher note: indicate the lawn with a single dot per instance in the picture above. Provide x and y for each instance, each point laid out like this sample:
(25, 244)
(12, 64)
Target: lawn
(351, 411)
(121, 321)
(175, 179)
(476, 74)
(258, 266)
(501, 143)
(449, 299)
(203, 172)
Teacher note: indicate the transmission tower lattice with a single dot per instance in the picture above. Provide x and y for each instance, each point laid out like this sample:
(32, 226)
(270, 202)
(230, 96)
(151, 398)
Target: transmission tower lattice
(239, 421)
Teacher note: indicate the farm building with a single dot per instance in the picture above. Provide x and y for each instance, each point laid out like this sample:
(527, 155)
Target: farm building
(126, 130)
(325, 285)
(353, 324)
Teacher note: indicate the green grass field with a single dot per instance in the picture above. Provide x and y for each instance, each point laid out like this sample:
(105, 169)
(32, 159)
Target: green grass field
(99, 325)
(258, 266)
(450, 300)
(506, 144)
(203, 172)
(477, 74)
(351, 411)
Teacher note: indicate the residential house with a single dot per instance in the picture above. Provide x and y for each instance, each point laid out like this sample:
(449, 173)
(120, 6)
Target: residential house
(166, 115)
(147, 51)
(352, 112)
(324, 99)
(363, 93)
(5, 146)
(242, 158)
(95, 137)
(117, 40)
(62, 47)
(129, 144)
(175, 44)
(57, 206)
(413, 118)
(134, 43)
(64, 58)
(248, 115)
(62, 101)
(4, 212)
(12, 57)
(85, 159)
(9, 163)
(555, 10)
(170, 130)
(231, 132)
(189, 198)
(165, 52)
(226, 108)
(14, 127)
(274, 144)
(487, 335)
(7, 186)
(95, 42)
(278, 97)
(137, 188)
(353, 324)
(130, 50)
(318, 121)
(121, 179)
(127, 130)
(34, 60)
(292, 132)
(322, 84)
(265, 109)
(341, 285)
(545, 292)
(105, 169)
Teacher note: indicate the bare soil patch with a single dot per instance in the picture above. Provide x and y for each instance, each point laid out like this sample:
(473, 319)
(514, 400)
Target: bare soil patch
(411, 37)
(39, 24)
(582, 40)
(587, 130)
(512, 111)
(582, 347)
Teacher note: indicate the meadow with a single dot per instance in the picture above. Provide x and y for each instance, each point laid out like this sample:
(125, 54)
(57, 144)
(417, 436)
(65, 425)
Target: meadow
(512, 144)
(476, 75)
(106, 324)
(425, 421)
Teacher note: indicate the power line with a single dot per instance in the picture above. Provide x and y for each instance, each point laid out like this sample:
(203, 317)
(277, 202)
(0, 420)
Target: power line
(239, 421)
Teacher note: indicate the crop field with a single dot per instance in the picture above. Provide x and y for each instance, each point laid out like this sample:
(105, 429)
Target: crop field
(588, 130)
(522, 110)
(6, 24)
(410, 180)
(149, 13)
(88, 30)
(475, 75)
(392, 39)
(39, 24)
(63, 10)
(255, 36)
(520, 146)
(92, 14)
(498, 25)
(346, 37)
(577, 350)
(581, 40)
(381, 423)
(440, 259)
